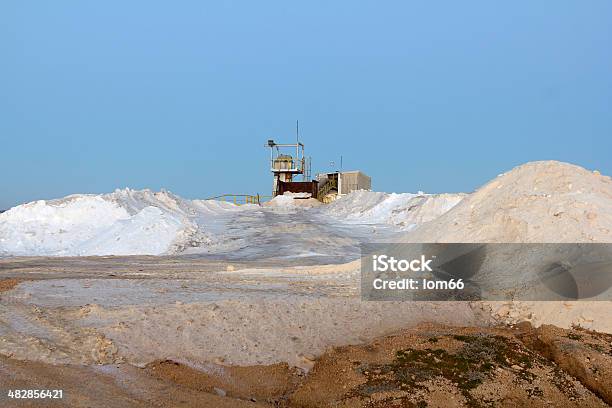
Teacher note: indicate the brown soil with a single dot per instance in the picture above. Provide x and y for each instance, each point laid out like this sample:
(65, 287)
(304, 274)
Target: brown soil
(433, 366)
(8, 284)
(258, 383)
(429, 366)
(584, 354)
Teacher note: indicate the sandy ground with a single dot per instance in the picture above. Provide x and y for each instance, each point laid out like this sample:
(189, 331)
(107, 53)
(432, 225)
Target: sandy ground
(103, 386)
(173, 331)
(139, 310)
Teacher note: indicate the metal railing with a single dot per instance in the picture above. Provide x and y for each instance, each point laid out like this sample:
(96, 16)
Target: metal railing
(241, 199)
(329, 185)
(288, 166)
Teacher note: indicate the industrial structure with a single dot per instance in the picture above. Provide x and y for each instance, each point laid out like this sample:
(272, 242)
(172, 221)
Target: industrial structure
(326, 187)
(285, 167)
(288, 163)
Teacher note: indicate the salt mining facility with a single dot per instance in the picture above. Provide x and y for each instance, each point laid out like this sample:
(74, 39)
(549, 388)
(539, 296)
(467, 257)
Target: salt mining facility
(287, 163)
(138, 298)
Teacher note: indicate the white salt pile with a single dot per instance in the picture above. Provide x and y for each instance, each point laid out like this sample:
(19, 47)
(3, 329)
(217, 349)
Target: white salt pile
(405, 210)
(87, 225)
(539, 202)
(544, 201)
(289, 199)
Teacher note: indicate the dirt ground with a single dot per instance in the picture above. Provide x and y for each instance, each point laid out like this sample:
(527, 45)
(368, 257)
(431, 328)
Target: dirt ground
(428, 366)
(434, 366)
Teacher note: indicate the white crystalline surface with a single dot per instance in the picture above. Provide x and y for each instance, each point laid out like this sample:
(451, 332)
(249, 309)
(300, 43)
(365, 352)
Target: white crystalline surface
(86, 225)
(404, 210)
(45, 229)
(129, 222)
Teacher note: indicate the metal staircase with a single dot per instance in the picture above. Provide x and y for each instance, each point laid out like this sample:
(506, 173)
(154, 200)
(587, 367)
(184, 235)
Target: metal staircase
(326, 188)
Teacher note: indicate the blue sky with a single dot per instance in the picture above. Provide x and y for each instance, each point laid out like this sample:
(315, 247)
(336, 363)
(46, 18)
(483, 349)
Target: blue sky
(434, 96)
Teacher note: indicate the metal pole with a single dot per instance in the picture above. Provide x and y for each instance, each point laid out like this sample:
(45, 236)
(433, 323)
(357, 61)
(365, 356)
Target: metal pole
(297, 141)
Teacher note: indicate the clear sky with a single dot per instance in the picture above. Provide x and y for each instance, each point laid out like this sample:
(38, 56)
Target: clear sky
(422, 95)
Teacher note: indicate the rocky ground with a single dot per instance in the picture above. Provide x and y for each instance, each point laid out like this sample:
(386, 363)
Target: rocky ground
(434, 366)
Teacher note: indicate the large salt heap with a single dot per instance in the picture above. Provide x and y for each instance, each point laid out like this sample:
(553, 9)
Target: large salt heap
(545, 201)
(121, 223)
(538, 202)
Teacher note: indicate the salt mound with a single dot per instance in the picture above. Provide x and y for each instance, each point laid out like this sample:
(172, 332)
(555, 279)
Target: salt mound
(281, 201)
(82, 225)
(545, 201)
(404, 210)
(538, 202)
(289, 199)
(56, 228)
(151, 231)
